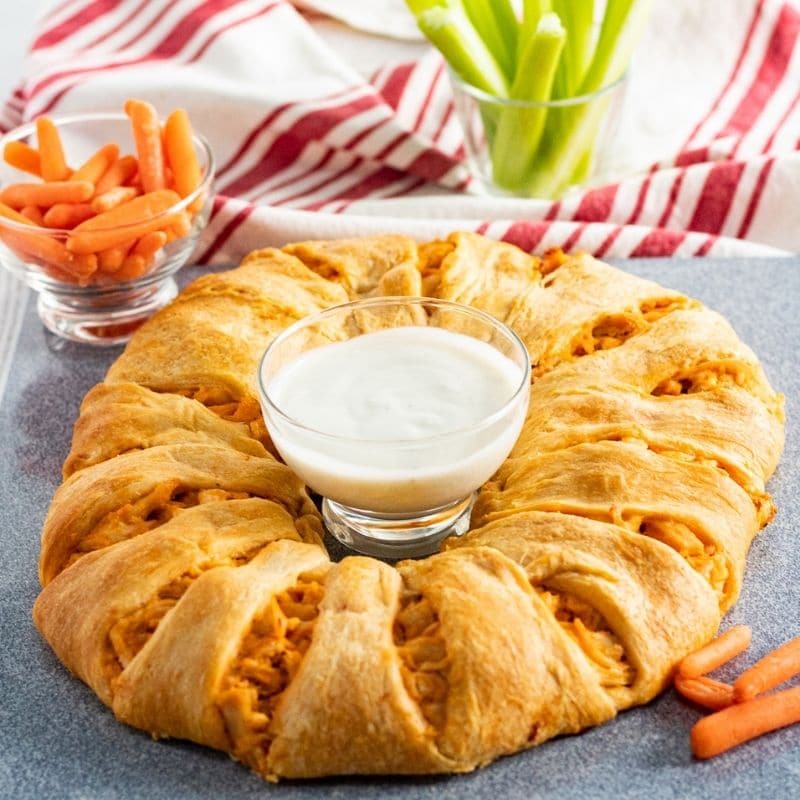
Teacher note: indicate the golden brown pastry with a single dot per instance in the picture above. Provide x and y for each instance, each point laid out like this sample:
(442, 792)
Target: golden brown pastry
(138, 491)
(383, 265)
(106, 606)
(117, 418)
(207, 344)
(184, 575)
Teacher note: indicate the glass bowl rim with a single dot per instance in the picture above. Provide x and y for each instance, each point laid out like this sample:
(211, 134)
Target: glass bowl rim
(567, 102)
(110, 116)
(370, 302)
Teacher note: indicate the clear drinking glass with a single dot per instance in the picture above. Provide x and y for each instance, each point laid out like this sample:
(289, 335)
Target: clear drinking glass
(390, 497)
(101, 309)
(527, 149)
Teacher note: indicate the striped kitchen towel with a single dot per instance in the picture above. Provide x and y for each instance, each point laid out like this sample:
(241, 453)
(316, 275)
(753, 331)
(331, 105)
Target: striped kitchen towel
(322, 131)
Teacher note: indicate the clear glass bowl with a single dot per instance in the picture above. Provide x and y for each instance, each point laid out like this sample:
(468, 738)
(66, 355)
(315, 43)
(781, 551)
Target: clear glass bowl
(104, 311)
(526, 149)
(390, 497)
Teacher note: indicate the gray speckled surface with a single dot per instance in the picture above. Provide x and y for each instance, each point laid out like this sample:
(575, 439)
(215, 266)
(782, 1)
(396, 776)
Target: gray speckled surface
(58, 741)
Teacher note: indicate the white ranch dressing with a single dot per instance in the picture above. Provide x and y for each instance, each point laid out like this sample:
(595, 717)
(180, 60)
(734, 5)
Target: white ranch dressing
(389, 417)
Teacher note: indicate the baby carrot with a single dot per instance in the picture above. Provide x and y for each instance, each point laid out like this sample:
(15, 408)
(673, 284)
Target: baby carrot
(134, 266)
(84, 266)
(33, 214)
(10, 213)
(180, 152)
(741, 722)
(67, 215)
(119, 173)
(97, 165)
(140, 209)
(110, 260)
(772, 670)
(716, 653)
(147, 135)
(149, 245)
(23, 157)
(113, 198)
(181, 225)
(53, 164)
(45, 248)
(19, 195)
(128, 221)
(705, 691)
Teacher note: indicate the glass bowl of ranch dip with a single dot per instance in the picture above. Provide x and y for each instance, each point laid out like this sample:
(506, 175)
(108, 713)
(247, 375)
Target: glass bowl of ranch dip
(395, 410)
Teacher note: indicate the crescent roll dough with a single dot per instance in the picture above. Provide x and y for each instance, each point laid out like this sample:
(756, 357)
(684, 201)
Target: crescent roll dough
(184, 575)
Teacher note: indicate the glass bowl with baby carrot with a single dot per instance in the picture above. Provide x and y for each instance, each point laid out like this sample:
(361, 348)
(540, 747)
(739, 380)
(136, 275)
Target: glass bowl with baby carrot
(98, 212)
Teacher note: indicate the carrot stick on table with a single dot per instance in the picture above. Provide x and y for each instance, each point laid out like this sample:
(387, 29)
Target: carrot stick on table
(128, 221)
(33, 214)
(97, 165)
(180, 152)
(147, 135)
(772, 670)
(741, 722)
(717, 652)
(19, 195)
(705, 691)
(23, 157)
(113, 198)
(53, 164)
(119, 173)
(67, 215)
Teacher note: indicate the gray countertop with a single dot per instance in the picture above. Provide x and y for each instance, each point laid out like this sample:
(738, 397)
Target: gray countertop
(58, 741)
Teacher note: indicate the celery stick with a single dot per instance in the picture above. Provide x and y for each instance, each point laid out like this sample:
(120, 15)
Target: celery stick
(584, 168)
(578, 18)
(496, 23)
(519, 129)
(449, 30)
(416, 7)
(564, 145)
(574, 130)
(532, 12)
(623, 25)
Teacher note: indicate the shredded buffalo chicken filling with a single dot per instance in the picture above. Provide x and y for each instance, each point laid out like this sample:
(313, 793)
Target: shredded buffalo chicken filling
(701, 556)
(148, 512)
(765, 508)
(267, 661)
(706, 377)
(584, 625)
(246, 410)
(553, 258)
(423, 657)
(652, 310)
(132, 632)
(606, 333)
(612, 330)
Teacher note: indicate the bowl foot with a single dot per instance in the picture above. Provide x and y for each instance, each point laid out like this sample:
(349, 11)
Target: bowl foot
(104, 322)
(392, 537)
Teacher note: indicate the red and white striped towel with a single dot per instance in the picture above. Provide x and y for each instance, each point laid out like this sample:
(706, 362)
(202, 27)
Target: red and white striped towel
(309, 146)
